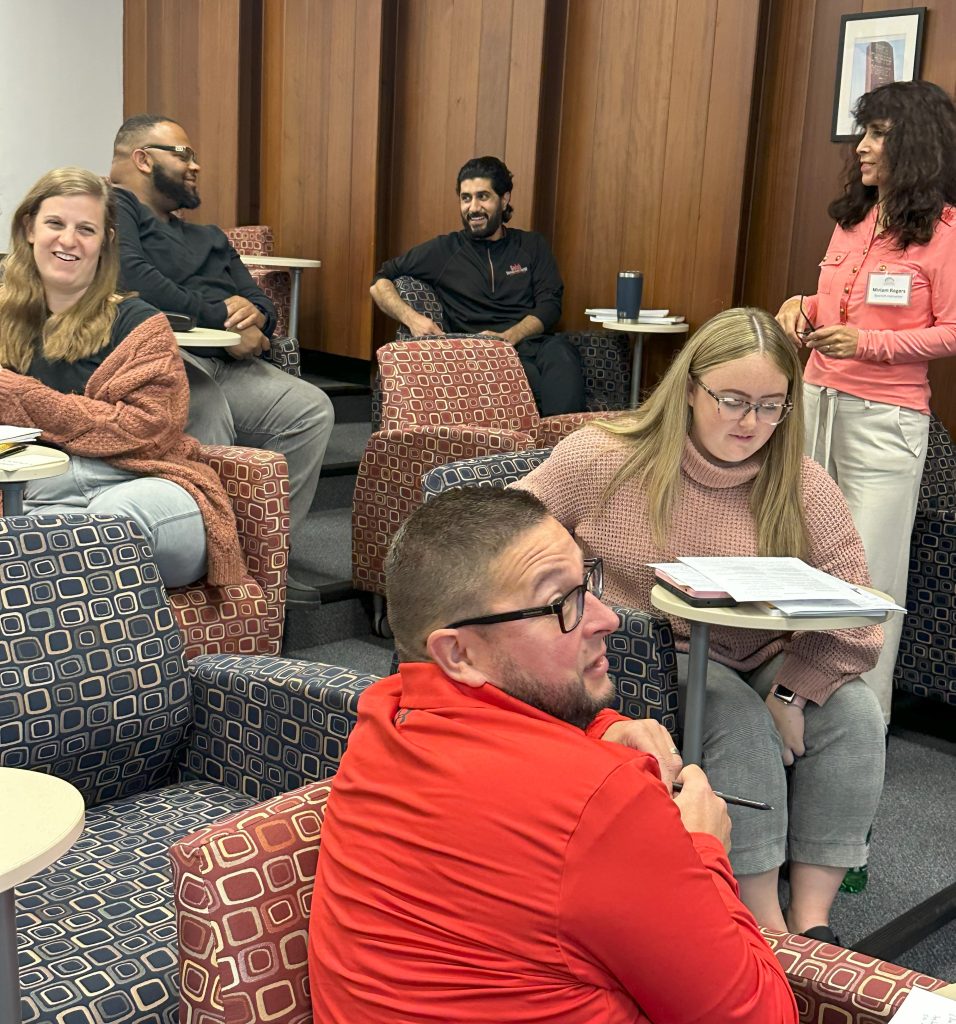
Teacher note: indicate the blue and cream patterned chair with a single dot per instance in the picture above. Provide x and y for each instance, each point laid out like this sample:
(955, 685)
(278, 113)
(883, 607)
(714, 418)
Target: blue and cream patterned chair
(926, 663)
(94, 688)
(640, 653)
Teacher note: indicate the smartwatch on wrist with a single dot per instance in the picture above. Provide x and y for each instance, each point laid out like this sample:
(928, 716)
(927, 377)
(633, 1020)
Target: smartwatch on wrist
(788, 696)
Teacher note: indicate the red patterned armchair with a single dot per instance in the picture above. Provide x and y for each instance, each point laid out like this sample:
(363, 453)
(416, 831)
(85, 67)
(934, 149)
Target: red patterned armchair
(243, 888)
(257, 240)
(443, 399)
(246, 619)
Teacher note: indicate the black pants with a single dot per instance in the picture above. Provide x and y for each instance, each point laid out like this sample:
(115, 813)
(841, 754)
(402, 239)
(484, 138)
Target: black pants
(553, 368)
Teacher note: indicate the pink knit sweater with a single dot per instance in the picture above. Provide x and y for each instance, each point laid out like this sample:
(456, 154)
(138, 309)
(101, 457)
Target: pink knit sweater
(712, 518)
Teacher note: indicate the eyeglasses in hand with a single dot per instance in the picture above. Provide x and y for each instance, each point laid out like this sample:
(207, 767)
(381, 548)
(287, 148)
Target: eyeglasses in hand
(809, 329)
(569, 609)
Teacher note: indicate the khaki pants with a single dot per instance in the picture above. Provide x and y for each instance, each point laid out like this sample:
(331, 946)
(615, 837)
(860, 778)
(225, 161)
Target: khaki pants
(875, 453)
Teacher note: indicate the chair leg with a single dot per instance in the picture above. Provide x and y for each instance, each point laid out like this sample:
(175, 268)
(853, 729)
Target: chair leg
(380, 626)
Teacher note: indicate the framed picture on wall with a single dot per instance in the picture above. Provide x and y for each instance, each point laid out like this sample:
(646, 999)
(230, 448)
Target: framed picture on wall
(874, 49)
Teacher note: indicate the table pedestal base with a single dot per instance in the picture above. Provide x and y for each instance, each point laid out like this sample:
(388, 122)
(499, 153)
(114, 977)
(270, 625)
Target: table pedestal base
(12, 499)
(696, 692)
(9, 970)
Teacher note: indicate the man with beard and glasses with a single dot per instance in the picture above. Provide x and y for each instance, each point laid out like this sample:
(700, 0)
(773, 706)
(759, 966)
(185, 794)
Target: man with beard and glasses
(180, 267)
(494, 280)
(500, 845)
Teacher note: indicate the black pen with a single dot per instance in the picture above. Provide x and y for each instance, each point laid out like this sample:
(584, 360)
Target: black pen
(757, 805)
(12, 450)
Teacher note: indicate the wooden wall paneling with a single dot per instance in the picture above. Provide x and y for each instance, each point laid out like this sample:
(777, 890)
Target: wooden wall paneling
(647, 145)
(724, 156)
(580, 127)
(609, 194)
(522, 141)
(181, 59)
(684, 168)
(320, 132)
(779, 145)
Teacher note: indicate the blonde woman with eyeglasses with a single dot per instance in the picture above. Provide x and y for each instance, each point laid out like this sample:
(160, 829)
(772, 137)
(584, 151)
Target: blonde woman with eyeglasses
(711, 464)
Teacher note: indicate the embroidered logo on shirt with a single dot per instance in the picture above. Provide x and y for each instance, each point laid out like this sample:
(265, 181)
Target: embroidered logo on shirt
(515, 268)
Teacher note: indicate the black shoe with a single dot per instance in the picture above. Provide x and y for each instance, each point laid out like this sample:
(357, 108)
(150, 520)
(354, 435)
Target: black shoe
(823, 933)
(301, 595)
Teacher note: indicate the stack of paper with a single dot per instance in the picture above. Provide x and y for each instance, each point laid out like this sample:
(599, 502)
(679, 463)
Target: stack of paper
(601, 315)
(17, 435)
(788, 586)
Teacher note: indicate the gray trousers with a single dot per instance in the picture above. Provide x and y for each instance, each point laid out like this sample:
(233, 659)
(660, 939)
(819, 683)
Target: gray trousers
(164, 511)
(834, 788)
(250, 402)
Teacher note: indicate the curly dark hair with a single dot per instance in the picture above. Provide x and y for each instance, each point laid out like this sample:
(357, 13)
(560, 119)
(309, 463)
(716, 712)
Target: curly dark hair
(920, 153)
(495, 171)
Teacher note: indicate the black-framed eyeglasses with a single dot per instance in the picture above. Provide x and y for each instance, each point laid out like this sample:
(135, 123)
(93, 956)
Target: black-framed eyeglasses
(569, 610)
(768, 413)
(810, 328)
(185, 153)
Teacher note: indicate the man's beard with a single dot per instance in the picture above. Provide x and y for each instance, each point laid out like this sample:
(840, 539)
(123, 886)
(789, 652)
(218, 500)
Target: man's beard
(572, 704)
(491, 225)
(177, 191)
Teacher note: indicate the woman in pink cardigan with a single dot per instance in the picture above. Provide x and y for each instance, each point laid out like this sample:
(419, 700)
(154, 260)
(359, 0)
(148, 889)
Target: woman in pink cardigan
(100, 374)
(712, 464)
(885, 305)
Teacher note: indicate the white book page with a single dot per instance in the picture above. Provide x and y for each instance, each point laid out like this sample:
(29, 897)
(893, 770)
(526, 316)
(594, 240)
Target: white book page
(922, 1007)
(770, 579)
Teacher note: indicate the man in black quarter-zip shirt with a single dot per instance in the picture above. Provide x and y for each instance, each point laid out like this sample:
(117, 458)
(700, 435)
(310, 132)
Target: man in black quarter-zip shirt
(493, 280)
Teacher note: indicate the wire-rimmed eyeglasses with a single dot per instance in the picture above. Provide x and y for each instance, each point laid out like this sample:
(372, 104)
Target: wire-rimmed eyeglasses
(569, 610)
(769, 413)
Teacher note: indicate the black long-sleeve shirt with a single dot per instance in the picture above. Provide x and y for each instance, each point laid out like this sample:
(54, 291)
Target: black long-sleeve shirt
(180, 267)
(484, 284)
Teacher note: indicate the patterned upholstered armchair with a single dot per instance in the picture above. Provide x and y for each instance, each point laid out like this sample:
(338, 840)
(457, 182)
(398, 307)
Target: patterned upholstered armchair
(94, 688)
(640, 653)
(257, 240)
(605, 356)
(443, 399)
(243, 888)
(926, 664)
(247, 618)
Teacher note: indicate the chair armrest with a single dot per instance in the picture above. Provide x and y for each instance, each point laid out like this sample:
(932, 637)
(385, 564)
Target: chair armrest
(266, 725)
(243, 889)
(642, 662)
(606, 365)
(831, 983)
(257, 482)
(485, 471)
(552, 428)
(422, 298)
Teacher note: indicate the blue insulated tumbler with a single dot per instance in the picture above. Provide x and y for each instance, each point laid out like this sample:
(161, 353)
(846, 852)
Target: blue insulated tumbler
(630, 284)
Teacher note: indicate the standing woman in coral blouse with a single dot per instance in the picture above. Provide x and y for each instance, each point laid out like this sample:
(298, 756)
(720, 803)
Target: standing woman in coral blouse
(885, 305)
(101, 376)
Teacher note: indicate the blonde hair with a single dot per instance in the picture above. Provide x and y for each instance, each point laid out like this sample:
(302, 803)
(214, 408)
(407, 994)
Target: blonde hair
(657, 431)
(82, 329)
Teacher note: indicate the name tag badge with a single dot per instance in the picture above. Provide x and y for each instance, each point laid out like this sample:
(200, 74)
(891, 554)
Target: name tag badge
(884, 289)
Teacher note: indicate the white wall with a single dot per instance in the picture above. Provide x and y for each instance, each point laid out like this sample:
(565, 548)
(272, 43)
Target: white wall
(61, 91)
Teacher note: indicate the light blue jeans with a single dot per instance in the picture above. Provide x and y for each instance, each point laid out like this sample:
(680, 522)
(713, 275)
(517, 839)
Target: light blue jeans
(168, 516)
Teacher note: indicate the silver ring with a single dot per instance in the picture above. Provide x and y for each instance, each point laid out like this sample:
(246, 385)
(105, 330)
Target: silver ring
(674, 750)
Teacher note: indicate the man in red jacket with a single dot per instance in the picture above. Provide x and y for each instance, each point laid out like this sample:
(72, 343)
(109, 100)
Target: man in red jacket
(499, 844)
